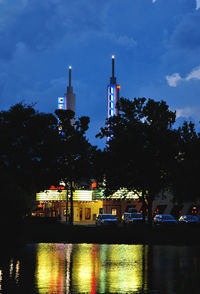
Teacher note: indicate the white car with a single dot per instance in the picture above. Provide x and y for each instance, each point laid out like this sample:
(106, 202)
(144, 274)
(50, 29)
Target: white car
(106, 220)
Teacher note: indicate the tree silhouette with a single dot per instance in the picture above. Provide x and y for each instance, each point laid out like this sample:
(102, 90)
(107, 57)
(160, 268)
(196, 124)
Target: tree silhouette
(141, 148)
(27, 157)
(186, 171)
(76, 154)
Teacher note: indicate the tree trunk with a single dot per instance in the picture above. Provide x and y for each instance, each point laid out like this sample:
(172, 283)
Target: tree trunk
(67, 206)
(72, 206)
(144, 206)
(150, 202)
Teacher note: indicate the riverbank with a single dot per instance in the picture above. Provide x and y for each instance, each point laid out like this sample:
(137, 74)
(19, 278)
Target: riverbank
(142, 234)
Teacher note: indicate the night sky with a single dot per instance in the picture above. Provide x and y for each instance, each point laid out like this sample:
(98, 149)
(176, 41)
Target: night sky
(156, 44)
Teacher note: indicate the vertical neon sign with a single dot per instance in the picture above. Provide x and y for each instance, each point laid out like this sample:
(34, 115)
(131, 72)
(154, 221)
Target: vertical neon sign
(61, 105)
(112, 101)
(112, 93)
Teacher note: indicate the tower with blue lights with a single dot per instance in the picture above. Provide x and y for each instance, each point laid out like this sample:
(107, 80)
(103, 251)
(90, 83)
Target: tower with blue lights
(70, 97)
(112, 93)
(68, 102)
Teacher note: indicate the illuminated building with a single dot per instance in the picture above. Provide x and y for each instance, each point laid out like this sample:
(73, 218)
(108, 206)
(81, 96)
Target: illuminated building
(89, 203)
(68, 102)
(61, 103)
(70, 97)
(112, 93)
(52, 202)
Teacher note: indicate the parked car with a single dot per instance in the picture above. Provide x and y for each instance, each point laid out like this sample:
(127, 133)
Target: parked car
(132, 209)
(106, 220)
(164, 220)
(189, 220)
(132, 218)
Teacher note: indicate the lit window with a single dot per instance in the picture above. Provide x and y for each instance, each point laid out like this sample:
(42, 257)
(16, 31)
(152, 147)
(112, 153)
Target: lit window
(114, 211)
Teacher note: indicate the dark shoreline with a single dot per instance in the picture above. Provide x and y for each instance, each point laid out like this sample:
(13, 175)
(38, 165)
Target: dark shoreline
(143, 234)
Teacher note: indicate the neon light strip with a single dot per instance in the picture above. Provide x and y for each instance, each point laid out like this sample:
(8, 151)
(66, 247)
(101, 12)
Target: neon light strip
(52, 195)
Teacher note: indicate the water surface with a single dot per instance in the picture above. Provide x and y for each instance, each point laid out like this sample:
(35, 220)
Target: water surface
(48, 268)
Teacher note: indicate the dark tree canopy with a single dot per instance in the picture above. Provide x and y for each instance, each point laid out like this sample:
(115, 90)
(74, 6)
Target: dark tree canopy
(27, 154)
(142, 147)
(144, 153)
(186, 171)
(76, 154)
(33, 155)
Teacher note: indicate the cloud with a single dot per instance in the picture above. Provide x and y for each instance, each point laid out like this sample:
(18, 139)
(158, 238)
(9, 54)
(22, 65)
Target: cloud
(198, 4)
(187, 34)
(126, 41)
(113, 39)
(153, 1)
(188, 113)
(195, 74)
(175, 78)
(185, 112)
(40, 25)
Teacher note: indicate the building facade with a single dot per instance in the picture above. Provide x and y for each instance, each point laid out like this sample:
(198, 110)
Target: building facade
(87, 204)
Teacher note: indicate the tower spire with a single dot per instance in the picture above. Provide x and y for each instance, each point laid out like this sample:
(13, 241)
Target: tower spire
(113, 78)
(70, 97)
(113, 66)
(70, 75)
(112, 93)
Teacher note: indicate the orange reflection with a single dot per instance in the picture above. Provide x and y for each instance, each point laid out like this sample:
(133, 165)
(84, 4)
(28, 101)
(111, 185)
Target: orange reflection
(89, 268)
(50, 270)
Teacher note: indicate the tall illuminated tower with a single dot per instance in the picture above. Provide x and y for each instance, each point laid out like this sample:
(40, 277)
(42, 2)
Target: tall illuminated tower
(70, 97)
(69, 101)
(112, 93)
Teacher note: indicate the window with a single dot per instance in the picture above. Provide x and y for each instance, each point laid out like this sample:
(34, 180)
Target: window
(114, 211)
(87, 213)
(81, 214)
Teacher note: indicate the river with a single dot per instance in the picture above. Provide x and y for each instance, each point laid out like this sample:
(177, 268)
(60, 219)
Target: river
(49, 268)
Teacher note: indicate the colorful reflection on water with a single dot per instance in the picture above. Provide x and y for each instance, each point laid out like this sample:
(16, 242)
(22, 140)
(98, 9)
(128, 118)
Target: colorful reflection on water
(100, 268)
(107, 268)
(89, 268)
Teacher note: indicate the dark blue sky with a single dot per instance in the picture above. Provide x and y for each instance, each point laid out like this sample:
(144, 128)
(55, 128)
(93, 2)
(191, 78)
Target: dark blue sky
(156, 44)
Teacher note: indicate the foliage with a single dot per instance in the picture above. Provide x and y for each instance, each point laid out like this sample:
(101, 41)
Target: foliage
(76, 155)
(141, 148)
(33, 155)
(186, 171)
(27, 156)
